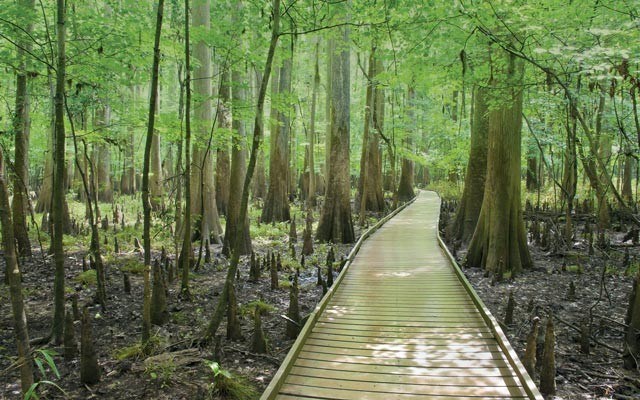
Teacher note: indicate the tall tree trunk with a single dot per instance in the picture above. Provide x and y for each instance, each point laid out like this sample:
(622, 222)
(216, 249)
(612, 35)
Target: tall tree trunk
(238, 161)
(258, 129)
(276, 205)
(203, 195)
(102, 159)
(12, 274)
(146, 200)
(311, 163)
(405, 188)
(21, 127)
(58, 200)
(46, 195)
(186, 253)
(93, 216)
(327, 113)
(223, 162)
(156, 179)
(627, 176)
(570, 175)
(128, 180)
(335, 223)
(259, 182)
(468, 211)
(370, 181)
(499, 243)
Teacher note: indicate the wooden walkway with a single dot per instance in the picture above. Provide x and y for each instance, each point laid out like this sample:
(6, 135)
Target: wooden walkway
(402, 322)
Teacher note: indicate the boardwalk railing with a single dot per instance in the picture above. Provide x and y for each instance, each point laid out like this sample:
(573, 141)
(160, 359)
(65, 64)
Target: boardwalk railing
(527, 383)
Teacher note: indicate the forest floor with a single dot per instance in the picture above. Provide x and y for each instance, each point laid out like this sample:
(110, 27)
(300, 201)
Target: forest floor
(180, 368)
(182, 372)
(602, 286)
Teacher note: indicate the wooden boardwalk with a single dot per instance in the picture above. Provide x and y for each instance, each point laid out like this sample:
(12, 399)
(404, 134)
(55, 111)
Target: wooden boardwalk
(402, 322)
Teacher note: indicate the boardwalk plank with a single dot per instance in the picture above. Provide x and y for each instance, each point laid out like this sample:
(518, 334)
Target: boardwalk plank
(401, 325)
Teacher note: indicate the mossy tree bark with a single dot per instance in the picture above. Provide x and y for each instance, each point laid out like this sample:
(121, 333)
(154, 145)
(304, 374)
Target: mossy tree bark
(12, 274)
(276, 205)
(468, 211)
(238, 165)
(336, 224)
(499, 243)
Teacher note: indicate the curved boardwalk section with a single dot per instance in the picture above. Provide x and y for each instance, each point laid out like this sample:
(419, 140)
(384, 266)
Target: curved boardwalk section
(402, 324)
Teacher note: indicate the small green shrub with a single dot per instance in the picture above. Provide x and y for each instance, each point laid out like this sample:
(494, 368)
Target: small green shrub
(262, 306)
(228, 385)
(88, 277)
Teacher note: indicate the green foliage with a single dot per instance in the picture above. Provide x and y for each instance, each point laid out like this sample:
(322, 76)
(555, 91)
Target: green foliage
(228, 385)
(162, 371)
(87, 277)
(263, 308)
(43, 358)
(133, 266)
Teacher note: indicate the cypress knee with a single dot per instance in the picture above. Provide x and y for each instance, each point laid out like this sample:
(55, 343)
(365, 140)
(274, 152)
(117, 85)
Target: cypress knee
(274, 272)
(258, 342)
(70, 345)
(89, 369)
(159, 313)
(529, 359)
(508, 317)
(293, 323)
(548, 367)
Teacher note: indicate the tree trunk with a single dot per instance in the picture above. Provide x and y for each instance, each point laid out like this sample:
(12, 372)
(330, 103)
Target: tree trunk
(627, 176)
(128, 181)
(203, 196)
(570, 175)
(258, 129)
(21, 128)
(311, 163)
(259, 182)
(276, 205)
(238, 161)
(468, 211)
(184, 264)
(405, 188)
(631, 349)
(335, 224)
(499, 243)
(370, 182)
(146, 201)
(12, 274)
(222, 159)
(58, 200)
(102, 160)
(156, 179)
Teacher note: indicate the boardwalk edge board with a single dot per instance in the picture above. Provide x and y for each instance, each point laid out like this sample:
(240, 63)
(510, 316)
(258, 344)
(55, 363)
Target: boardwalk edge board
(527, 383)
(278, 380)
